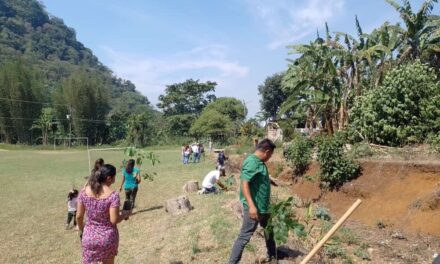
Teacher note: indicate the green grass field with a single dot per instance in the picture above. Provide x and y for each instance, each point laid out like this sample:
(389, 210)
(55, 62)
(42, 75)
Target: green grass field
(34, 188)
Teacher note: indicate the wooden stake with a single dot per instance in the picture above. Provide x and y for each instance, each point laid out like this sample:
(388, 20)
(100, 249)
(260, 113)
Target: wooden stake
(331, 232)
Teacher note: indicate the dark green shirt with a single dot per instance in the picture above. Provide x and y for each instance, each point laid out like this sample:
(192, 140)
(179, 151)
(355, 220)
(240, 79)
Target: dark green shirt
(255, 172)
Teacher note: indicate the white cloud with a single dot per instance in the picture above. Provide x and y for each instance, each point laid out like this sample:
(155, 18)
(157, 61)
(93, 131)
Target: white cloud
(150, 75)
(288, 21)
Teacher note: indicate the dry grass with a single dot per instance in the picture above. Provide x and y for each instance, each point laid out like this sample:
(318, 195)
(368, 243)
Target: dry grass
(34, 188)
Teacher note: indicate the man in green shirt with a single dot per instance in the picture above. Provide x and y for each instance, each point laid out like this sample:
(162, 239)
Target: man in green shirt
(255, 197)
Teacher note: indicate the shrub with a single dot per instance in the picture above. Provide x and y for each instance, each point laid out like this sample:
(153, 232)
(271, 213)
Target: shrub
(434, 143)
(405, 109)
(360, 150)
(299, 154)
(336, 168)
(281, 221)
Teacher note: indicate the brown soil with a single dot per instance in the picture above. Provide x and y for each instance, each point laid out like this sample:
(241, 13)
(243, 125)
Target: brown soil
(401, 194)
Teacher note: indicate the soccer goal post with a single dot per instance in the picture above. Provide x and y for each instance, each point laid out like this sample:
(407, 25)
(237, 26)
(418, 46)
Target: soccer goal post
(69, 140)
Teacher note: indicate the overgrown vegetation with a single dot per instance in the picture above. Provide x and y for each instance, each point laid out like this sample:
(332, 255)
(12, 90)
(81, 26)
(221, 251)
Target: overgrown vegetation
(282, 221)
(299, 154)
(404, 109)
(434, 143)
(336, 168)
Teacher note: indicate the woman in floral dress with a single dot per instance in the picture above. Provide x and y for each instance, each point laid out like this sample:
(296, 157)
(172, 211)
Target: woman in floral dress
(99, 236)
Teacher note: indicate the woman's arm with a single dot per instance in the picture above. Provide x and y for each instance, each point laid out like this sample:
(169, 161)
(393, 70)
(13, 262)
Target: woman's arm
(138, 177)
(116, 216)
(80, 211)
(122, 183)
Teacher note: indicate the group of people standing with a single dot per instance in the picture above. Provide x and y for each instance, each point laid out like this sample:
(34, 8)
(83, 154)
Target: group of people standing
(192, 153)
(99, 203)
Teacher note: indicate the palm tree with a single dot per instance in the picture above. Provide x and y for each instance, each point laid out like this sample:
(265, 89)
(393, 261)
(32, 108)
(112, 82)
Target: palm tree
(422, 30)
(45, 123)
(313, 84)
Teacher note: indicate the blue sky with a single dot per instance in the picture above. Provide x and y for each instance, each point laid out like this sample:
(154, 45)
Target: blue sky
(237, 43)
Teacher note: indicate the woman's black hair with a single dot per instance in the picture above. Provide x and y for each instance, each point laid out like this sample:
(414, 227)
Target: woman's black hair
(98, 178)
(72, 194)
(130, 166)
(98, 163)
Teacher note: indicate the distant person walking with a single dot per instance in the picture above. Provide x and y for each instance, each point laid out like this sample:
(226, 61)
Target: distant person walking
(255, 197)
(186, 154)
(71, 207)
(99, 235)
(196, 152)
(221, 158)
(131, 177)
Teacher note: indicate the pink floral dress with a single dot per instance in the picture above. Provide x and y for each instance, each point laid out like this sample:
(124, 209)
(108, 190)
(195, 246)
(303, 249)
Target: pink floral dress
(100, 237)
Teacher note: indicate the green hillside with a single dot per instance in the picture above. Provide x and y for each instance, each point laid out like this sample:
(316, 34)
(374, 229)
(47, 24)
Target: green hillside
(41, 60)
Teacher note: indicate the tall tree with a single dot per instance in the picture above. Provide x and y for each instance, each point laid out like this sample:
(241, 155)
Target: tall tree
(88, 99)
(189, 97)
(213, 124)
(420, 29)
(140, 131)
(272, 95)
(185, 101)
(19, 89)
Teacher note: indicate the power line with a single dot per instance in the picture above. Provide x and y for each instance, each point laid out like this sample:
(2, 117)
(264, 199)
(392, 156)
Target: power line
(32, 102)
(78, 119)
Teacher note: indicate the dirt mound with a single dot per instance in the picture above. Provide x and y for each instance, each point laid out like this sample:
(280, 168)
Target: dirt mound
(432, 202)
(403, 195)
(234, 163)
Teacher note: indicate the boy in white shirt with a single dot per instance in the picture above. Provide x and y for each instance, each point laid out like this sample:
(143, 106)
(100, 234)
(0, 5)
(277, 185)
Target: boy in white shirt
(211, 179)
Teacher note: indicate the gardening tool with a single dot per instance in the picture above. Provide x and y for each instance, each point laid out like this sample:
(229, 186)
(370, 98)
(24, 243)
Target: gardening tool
(331, 232)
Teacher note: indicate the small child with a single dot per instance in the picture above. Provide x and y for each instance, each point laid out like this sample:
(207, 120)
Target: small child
(71, 207)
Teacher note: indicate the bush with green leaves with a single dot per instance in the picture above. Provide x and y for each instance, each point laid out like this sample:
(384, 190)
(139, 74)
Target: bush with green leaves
(299, 154)
(405, 109)
(282, 220)
(434, 143)
(360, 150)
(336, 168)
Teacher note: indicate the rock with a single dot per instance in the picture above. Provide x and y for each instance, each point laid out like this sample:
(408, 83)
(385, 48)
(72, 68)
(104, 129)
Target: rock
(178, 205)
(284, 261)
(398, 235)
(191, 186)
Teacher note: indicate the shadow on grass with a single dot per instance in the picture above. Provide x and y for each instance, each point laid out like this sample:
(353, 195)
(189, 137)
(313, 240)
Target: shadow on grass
(287, 253)
(148, 209)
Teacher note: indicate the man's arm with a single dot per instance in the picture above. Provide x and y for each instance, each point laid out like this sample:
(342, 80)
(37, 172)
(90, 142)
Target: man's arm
(221, 185)
(253, 212)
(272, 181)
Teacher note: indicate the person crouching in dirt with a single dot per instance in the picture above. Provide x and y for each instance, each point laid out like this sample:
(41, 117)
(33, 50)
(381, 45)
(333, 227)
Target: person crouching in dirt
(255, 197)
(213, 177)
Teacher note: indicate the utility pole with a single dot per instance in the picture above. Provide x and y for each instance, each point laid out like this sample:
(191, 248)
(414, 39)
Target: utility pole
(69, 116)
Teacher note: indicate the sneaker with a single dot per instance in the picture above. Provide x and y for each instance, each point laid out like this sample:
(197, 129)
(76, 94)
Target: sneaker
(67, 226)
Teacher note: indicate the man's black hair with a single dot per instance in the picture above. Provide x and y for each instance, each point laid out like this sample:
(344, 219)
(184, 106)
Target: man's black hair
(266, 144)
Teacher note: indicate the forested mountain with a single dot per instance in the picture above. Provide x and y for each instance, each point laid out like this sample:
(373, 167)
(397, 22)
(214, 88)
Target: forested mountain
(42, 61)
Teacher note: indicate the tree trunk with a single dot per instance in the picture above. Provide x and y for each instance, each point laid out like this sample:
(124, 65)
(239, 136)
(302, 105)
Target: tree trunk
(179, 205)
(191, 186)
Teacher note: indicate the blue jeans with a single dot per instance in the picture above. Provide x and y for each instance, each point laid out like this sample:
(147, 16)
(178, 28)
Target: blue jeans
(210, 190)
(196, 157)
(185, 159)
